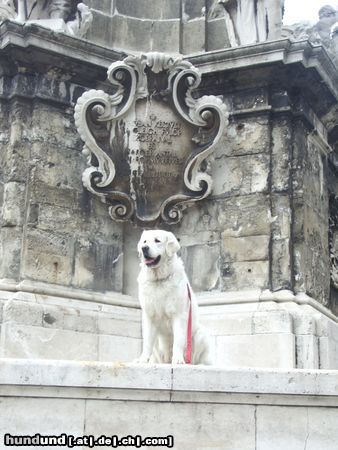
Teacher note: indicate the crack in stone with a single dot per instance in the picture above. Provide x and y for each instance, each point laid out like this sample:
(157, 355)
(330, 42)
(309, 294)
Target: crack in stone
(307, 429)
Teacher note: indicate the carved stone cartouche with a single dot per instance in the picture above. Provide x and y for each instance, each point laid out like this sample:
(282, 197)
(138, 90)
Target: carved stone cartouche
(148, 142)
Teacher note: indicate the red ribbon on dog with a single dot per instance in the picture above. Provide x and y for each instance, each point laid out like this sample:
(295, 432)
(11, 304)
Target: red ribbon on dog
(189, 338)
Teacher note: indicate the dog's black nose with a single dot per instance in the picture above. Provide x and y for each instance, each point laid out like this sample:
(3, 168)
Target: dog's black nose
(145, 251)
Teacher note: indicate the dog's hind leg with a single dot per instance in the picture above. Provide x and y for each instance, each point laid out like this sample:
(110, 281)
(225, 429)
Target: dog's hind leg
(179, 340)
(201, 348)
(205, 358)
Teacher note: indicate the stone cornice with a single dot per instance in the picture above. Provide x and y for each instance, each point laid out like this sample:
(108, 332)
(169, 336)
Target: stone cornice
(41, 45)
(289, 64)
(282, 51)
(32, 45)
(205, 299)
(276, 53)
(286, 64)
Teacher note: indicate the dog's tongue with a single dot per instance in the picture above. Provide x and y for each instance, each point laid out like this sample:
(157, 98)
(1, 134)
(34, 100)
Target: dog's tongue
(149, 260)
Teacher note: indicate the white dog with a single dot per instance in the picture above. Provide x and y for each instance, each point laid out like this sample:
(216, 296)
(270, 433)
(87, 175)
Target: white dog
(169, 311)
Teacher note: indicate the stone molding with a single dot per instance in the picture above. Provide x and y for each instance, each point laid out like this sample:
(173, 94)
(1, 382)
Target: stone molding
(80, 62)
(50, 49)
(15, 35)
(90, 61)
(283, 51)
(205, 299)
(263, 296)
(31, 287)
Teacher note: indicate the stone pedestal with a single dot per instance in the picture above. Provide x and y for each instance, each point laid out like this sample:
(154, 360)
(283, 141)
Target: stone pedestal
(264, 227)
(255, 328)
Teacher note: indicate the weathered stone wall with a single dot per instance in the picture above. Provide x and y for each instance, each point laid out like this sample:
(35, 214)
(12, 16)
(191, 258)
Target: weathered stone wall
(51, 228)
(159, 25)
(58, 233)
(264, 226)
(101, 29)
(311, 209)
(258, 206)
(233, 228)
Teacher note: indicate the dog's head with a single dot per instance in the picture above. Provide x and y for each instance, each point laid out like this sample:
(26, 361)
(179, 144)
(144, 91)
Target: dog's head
(156, 246)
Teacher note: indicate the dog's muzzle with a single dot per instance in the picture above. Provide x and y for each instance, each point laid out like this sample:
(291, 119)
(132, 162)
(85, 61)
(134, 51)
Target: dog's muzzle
(149, 260)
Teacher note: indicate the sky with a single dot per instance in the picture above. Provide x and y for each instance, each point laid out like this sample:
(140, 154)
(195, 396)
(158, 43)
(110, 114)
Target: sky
(299, 10)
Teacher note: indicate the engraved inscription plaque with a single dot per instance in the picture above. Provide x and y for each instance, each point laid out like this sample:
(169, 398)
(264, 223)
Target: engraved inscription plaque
(147, 143)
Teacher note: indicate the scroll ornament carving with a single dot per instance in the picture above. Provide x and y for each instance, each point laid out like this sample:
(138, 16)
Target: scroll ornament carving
(147, 143)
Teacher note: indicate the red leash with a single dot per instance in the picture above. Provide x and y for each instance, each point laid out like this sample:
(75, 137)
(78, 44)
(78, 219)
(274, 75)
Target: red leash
(189, 338)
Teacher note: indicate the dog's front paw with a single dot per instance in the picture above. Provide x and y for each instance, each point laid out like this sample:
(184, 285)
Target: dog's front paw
(178, 360)
(141, 360)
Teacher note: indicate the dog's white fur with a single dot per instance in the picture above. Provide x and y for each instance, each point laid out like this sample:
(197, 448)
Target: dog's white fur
(163, 295)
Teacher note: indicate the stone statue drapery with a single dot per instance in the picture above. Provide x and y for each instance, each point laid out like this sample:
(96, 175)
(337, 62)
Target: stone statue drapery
(251, 21)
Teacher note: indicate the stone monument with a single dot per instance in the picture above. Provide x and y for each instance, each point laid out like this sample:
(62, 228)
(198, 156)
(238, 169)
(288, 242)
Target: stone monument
(163, 115)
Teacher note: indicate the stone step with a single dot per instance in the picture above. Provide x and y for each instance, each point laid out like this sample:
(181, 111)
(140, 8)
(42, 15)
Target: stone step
(200, 407)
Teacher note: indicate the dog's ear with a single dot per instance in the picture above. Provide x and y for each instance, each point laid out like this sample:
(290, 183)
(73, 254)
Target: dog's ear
(172, 245)
(139, 245)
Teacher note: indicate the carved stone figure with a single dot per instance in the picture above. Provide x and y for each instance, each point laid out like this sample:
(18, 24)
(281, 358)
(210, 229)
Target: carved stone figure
(334, 37)
(333, 240)
(82, 21)
(328, 16)
(70, 16)
(324, 32)
(251, 21)
(320, 33)
(50, 9)
(334, 30)
(298, 31)
(7, 10)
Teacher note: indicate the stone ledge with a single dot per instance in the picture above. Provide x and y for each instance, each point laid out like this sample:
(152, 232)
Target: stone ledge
(30, 43)
(205, 299)
(259, 296)
(191, 380)
(53, 290)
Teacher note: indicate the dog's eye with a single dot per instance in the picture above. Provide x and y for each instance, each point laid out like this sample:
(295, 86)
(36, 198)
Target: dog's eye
(157, 241)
